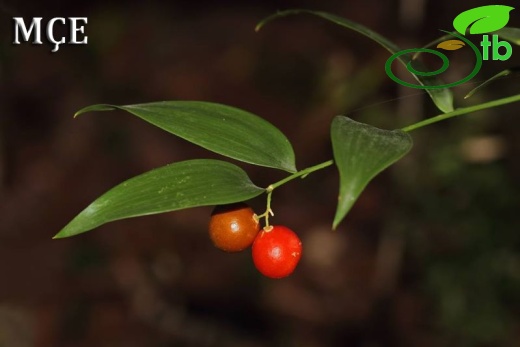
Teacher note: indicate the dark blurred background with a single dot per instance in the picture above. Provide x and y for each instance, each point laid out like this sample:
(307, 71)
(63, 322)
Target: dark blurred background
(429, 256)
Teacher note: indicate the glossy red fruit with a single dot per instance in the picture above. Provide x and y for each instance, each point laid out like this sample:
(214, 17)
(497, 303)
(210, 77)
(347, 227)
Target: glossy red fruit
(232, 227)
(276, 251)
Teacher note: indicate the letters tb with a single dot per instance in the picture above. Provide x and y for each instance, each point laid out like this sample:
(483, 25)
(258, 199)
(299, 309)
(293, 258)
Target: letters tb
(495, 44)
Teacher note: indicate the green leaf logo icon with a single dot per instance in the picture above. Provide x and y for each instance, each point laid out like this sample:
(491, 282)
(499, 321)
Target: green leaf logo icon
(481, 20)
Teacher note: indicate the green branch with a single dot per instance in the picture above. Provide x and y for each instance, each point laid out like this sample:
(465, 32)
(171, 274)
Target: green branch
(462, 111)
(301, 173)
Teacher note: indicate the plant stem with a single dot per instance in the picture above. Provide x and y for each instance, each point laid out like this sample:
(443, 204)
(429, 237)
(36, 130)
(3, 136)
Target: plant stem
(268, 211)
(301, 173)
(441, 117)
(269, 190)
(461, 111)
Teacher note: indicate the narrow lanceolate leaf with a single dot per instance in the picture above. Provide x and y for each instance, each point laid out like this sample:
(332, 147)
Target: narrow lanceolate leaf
(186, 184)
(226, 130)
(442, 97)
(501, 74)
(433, 43)
(510, 34)
(361, 152)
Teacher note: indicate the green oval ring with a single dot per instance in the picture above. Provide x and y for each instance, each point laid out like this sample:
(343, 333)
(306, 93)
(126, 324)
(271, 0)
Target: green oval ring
(445, 65)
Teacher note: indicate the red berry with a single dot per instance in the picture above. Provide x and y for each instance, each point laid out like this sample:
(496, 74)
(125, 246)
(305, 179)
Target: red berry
(276, 251)
(232, 227)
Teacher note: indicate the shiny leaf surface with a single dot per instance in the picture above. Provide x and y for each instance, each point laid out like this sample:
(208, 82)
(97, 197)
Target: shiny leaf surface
(186, 184)
(226, 130)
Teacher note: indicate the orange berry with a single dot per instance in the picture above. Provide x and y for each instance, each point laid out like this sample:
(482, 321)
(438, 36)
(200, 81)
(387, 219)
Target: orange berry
(232, 227)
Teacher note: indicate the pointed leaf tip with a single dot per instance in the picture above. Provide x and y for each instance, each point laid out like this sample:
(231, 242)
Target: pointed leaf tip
(362, 151)
(222, 129)
(92, 108)
(191, 183)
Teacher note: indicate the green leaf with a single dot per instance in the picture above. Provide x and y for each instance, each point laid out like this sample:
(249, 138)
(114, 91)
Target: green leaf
(186, 184)
(499, 75)
(510, 34)
(433, 43)
(442, 97)
(483, 19)
(361, 151)
(223, 129)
